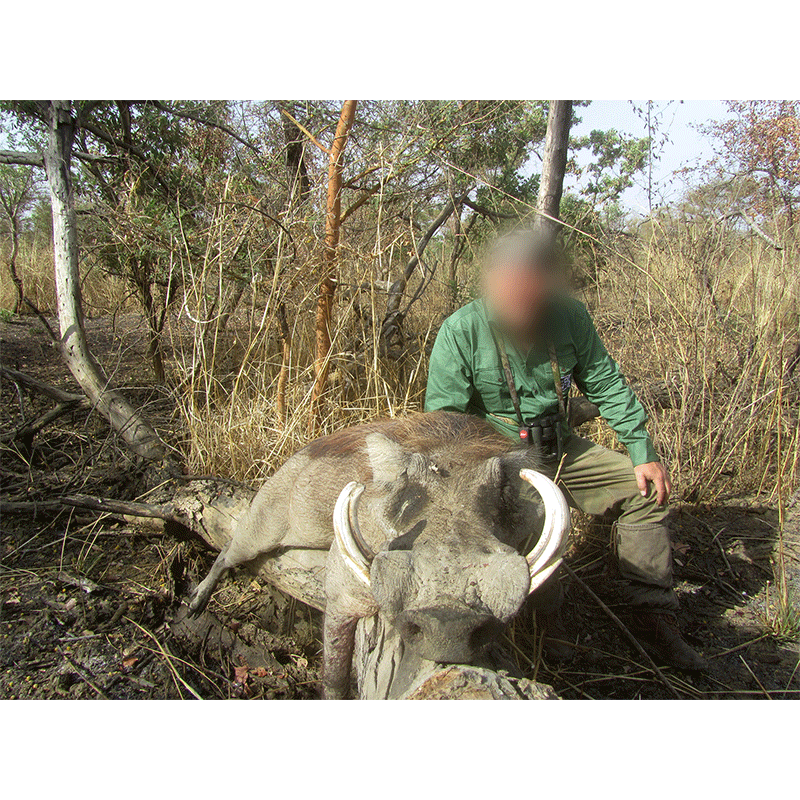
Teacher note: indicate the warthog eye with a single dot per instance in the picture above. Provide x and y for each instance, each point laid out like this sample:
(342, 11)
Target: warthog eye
(410, 630)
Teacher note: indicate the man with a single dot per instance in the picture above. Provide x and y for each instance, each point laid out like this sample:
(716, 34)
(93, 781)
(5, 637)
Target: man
(498, 358)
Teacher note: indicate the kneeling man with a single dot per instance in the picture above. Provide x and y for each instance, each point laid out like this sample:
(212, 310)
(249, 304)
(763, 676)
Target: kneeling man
(511, 358)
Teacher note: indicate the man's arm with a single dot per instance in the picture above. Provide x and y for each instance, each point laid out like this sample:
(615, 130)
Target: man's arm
(599, 378)
(450, 384)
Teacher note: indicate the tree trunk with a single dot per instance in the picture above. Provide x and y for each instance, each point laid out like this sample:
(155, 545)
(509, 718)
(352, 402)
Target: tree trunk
(460, 242)
(137, 433)
(12, 264)
(327, 286)
(142, 273)
(554, 165)
(299, 182)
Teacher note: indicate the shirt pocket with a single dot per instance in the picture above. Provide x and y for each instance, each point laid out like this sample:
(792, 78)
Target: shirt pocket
(491, 390)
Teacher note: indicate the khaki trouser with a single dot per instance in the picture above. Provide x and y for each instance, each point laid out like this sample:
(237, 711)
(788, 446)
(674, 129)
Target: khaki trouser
(597, 480)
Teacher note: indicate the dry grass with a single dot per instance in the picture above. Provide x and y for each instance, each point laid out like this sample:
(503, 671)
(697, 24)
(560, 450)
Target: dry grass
(102, 293)
(707, 359)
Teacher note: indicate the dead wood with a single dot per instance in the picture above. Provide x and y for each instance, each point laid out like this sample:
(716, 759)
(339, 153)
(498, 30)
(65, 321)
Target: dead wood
(35, 385)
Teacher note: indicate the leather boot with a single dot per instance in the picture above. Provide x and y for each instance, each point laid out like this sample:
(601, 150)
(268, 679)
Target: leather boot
(556, 644)
(659, 634)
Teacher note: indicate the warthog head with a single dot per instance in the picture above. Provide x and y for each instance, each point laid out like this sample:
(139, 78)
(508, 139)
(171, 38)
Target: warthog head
(437, 537)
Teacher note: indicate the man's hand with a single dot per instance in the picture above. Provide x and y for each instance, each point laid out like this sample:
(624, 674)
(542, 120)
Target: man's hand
(654, 472)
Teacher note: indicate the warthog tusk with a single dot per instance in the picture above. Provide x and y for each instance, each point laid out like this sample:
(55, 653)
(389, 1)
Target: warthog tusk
(547, 554)
(348, 533)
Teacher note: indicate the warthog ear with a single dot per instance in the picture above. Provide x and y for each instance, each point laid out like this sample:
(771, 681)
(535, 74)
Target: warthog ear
(501, 470)
(493, 473)
(386, 457)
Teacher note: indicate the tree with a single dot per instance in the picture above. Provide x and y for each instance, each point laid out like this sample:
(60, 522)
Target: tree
(327, 286)
(554, 166)
(759, 151)
(73, 345)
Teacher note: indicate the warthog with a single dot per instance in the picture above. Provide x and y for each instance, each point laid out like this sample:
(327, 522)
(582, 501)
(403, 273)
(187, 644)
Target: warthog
(430, 518)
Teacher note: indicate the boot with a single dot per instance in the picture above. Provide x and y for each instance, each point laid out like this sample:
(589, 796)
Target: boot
(659, 634)
(556, 641)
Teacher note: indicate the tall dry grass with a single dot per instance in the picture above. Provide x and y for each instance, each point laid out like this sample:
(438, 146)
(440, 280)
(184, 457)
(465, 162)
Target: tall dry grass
(102, 293)
(701, 322)
(229, 376)
(704, 327)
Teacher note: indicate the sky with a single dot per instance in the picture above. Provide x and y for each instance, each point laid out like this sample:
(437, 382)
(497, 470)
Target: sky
(685, 145)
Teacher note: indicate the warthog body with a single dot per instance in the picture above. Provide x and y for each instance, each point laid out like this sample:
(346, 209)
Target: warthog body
(429, 523)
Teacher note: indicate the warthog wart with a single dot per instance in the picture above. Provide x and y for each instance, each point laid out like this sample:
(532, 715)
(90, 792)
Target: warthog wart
(433, 527)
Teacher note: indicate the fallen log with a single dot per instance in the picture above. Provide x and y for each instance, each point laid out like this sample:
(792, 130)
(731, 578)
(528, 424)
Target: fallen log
(384, 668)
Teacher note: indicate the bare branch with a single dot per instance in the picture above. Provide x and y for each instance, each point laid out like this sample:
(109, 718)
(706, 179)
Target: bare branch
(203, 121)
(487, 212)
(21, 159)
(91, 157)
(751, 223)
(307, 132)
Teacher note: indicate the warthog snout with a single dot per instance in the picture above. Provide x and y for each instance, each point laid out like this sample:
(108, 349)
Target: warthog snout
(447, 635)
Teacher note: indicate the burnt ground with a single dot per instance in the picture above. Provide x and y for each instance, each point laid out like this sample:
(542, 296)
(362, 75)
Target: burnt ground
(91, 607)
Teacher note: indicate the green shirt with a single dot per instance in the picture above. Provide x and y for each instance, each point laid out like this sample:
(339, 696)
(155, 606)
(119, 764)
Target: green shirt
(466, 374)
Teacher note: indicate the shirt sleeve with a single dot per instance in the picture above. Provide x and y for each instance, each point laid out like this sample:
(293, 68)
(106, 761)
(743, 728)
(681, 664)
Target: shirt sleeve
(598, 377)
(450, 385)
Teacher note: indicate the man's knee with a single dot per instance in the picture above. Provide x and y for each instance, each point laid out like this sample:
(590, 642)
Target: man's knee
(644, 553)
(639, 510)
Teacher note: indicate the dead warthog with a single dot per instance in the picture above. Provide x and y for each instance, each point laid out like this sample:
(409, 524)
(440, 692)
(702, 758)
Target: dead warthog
(430, 517)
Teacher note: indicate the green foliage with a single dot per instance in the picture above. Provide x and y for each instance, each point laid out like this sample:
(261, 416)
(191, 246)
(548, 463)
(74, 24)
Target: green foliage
(617, 159)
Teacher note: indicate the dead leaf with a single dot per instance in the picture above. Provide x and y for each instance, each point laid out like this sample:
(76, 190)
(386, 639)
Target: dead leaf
(128, 663)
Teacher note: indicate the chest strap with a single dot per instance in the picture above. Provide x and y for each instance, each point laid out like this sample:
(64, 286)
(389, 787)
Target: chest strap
(509, 375)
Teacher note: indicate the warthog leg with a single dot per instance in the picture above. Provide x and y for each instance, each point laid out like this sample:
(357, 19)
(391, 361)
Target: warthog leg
(339, 643)
(201, 595)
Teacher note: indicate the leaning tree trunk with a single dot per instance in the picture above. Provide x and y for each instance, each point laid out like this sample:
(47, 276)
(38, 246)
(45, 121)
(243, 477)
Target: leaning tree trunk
(554, 165)
(135, 431)
(383, 667)
(12, 265)
(327, 286)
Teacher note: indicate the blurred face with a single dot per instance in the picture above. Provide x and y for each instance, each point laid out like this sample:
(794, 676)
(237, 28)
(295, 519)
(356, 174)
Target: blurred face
(517, 292)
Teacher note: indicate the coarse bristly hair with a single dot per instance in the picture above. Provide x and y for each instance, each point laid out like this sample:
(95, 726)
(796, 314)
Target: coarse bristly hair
(419, 433)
